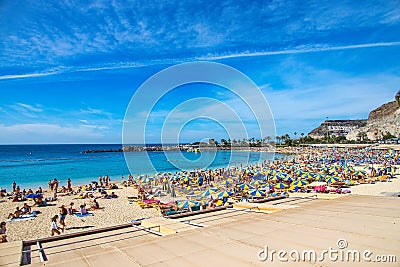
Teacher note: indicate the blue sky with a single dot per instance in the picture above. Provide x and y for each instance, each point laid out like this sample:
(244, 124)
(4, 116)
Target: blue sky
(68, 71)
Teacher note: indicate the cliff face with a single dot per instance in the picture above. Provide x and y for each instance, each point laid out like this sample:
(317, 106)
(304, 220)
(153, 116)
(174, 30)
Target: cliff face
(385, 119)
(383, 111)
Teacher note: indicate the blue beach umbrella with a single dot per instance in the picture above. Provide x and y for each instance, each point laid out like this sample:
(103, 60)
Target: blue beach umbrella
(208, 192)
(299, 183)
(257, 193)
(186, 204)
(224, 194)
(226, 182)
(245, 187)
(280, 186)
(331, 180)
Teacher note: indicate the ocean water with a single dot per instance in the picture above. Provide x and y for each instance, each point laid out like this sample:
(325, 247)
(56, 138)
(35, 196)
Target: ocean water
(31, 166)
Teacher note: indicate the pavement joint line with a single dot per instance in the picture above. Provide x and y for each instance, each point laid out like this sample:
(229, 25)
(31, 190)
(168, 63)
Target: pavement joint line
(321, 228)
(97, 244)
(126, 255)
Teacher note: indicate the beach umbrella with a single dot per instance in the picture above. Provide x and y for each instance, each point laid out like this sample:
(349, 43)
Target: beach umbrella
(186, 204)
(280, 186)
(245, 187)
(258, 182)
(318, 177)
(275, 179)
(287, 179)
(359, 173)
(147, 180)
(306, 175)
(33, 196)
(257, 193)
(298, 172)
(224, 194)
(208, 192)
(226, 182)
(265, 187)
(186, 179)
(174, 178)
(191, 194)
(331, 180)
(299, 183)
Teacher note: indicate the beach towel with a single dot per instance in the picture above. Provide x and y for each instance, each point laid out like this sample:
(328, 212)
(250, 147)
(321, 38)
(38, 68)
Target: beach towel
(84, 215)
(26, 217)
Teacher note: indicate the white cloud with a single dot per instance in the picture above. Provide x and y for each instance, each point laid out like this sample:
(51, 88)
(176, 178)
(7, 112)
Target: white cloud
(99, 112)
(300, 50)
(29, 107)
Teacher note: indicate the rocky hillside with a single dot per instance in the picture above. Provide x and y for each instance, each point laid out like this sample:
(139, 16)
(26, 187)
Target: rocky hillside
(383, 111)
(385, 119)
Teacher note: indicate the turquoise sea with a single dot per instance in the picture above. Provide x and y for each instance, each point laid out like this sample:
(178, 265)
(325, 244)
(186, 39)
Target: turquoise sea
(31, 166)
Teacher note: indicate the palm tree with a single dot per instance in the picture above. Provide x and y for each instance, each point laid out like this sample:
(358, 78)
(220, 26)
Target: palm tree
(295, 133)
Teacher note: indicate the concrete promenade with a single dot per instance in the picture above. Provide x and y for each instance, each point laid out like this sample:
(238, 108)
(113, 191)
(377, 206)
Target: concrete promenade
(235, 238)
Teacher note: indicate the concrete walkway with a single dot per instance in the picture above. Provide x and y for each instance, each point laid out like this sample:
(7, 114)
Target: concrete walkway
(361, 222)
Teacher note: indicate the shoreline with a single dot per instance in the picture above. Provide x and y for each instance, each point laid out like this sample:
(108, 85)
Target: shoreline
(121, 210)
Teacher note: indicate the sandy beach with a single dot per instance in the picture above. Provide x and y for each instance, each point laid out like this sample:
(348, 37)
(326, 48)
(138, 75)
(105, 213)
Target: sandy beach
(119, 211)
(116, 211)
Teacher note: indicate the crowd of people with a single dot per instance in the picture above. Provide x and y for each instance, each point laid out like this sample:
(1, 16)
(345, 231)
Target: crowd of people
(338, 168)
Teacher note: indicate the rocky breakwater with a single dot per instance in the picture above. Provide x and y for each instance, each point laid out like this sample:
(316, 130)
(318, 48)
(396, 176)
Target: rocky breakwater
(152, 148)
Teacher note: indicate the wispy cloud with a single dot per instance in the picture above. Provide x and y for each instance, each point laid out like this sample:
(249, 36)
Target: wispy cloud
(128, 65)
(99, 112)
(176, 31)
(301, 50)
(29, 107)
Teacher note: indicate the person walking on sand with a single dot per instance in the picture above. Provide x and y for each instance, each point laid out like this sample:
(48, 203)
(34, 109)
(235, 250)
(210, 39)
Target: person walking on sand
(54, 227)
(69, 186)
(55, 184)
(50, 183)
(63, 215)
(3, 232)
(14, 186)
